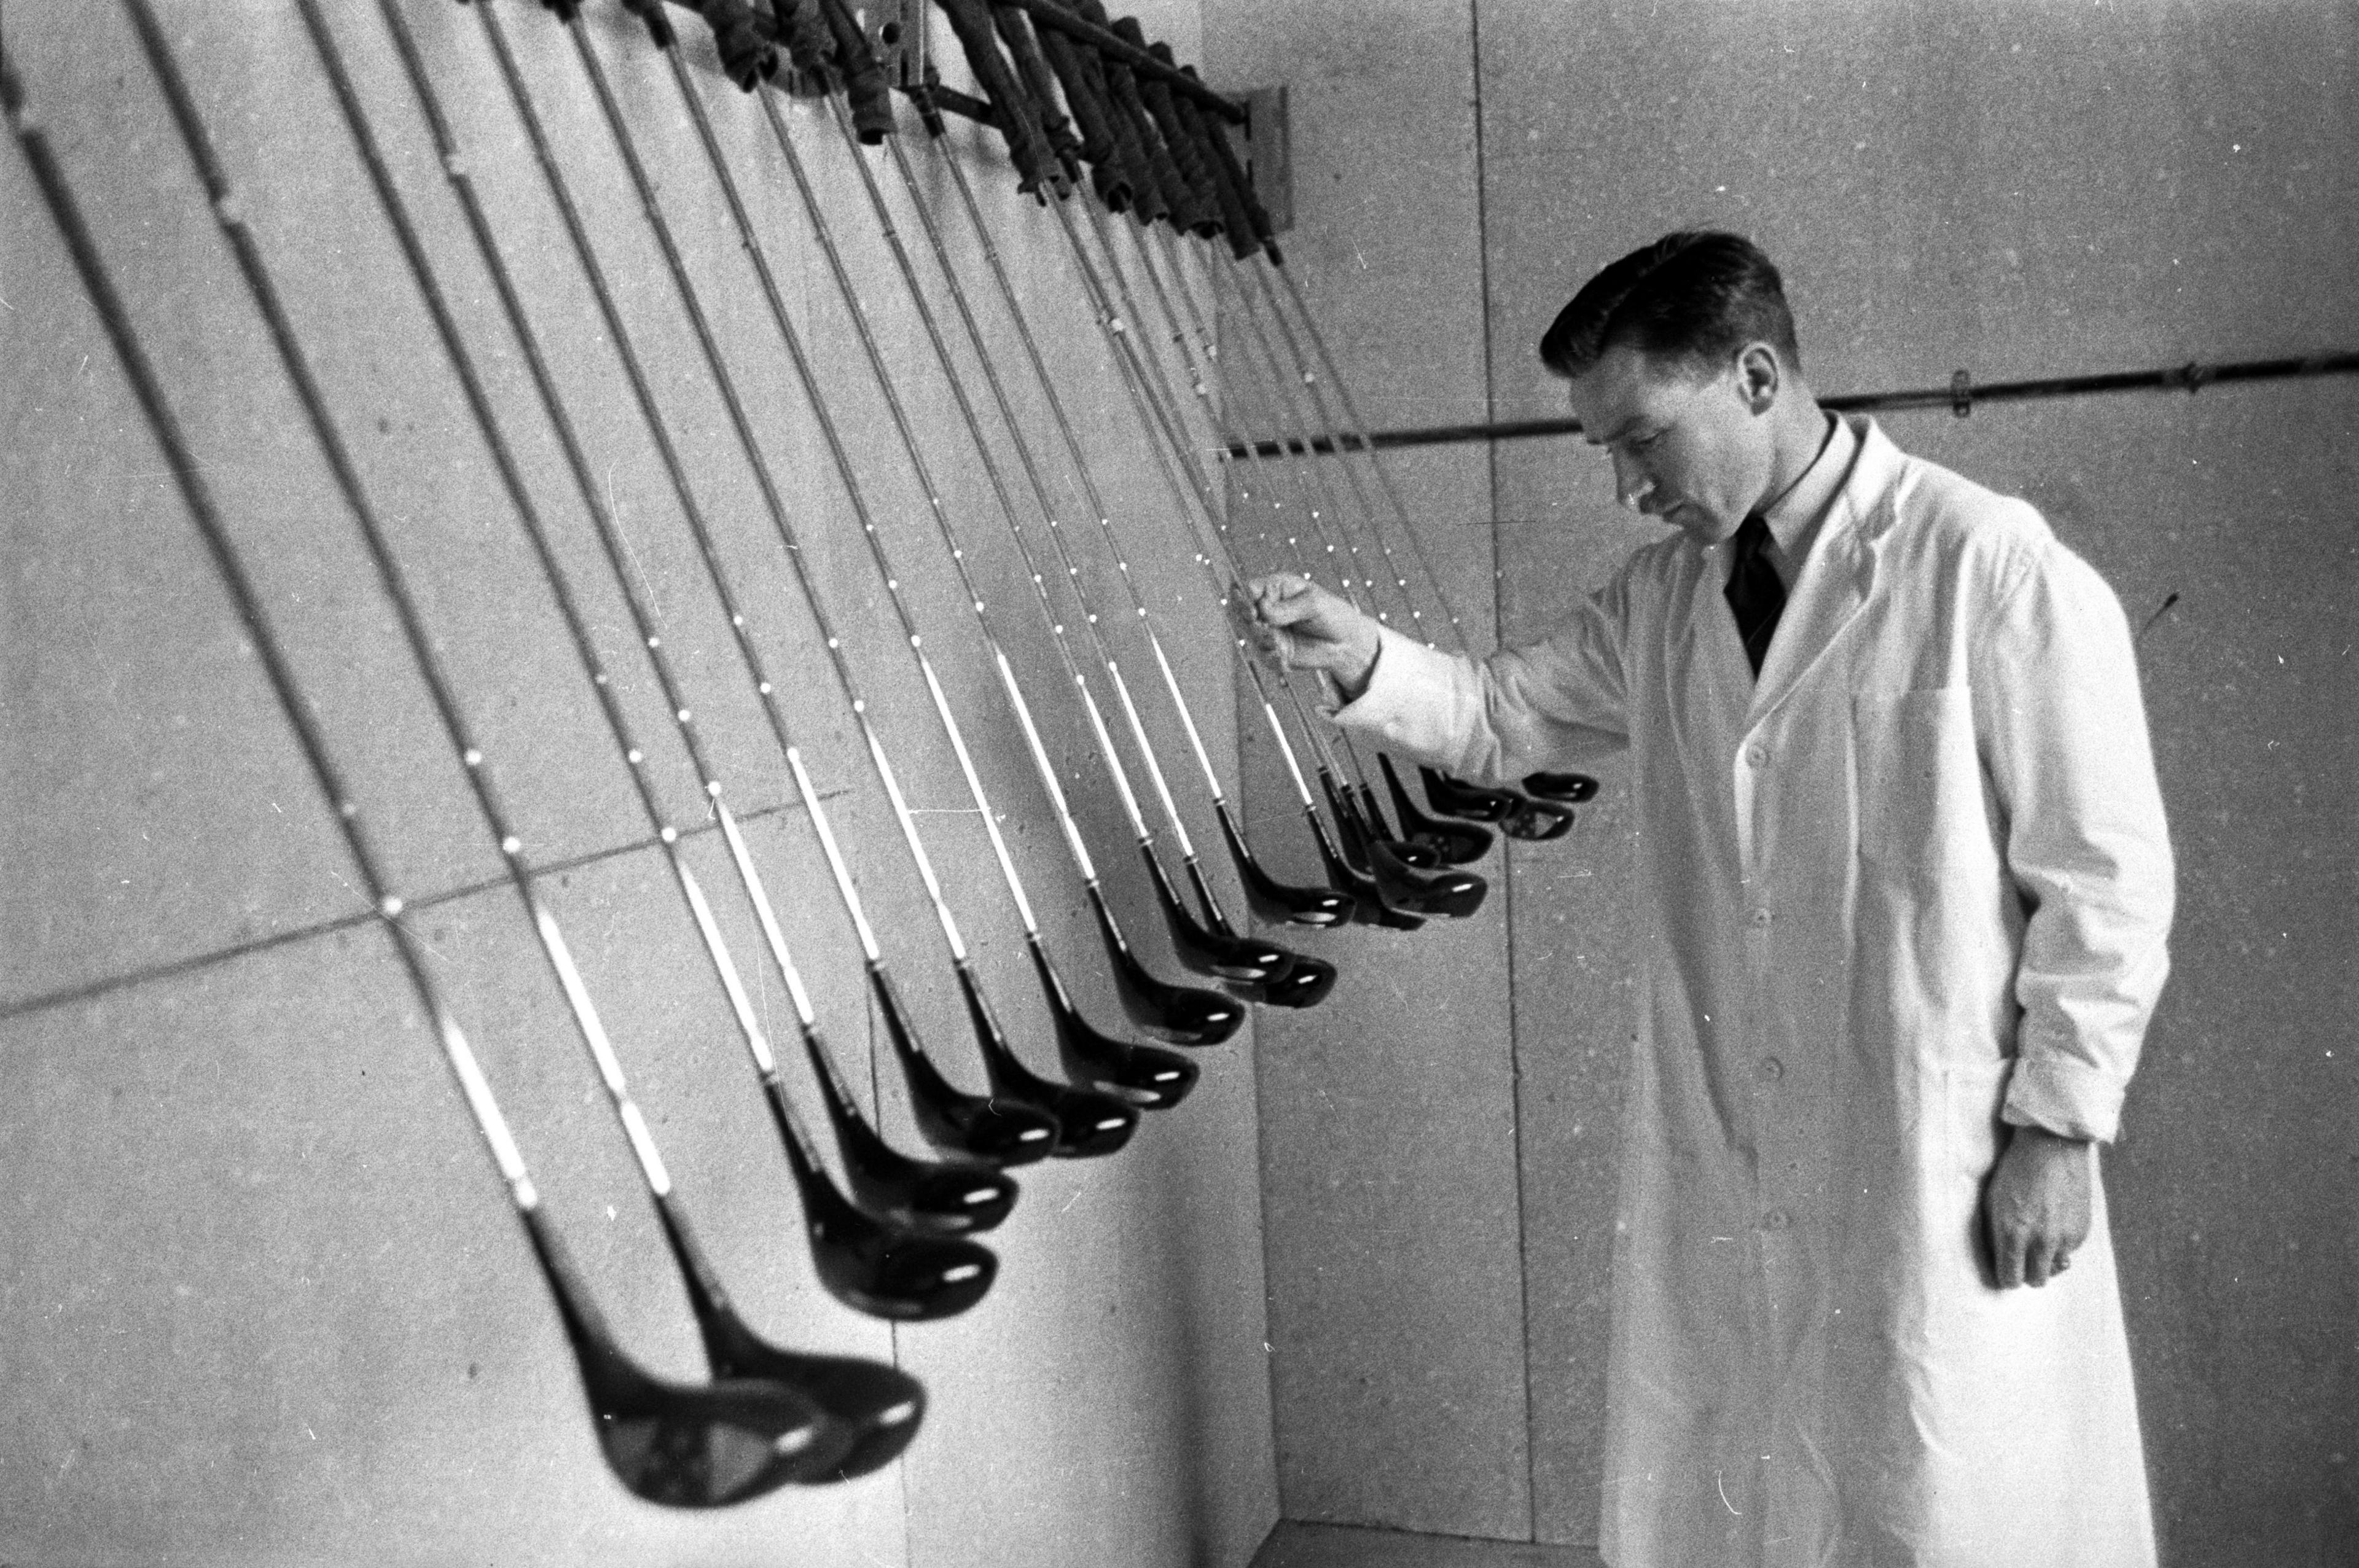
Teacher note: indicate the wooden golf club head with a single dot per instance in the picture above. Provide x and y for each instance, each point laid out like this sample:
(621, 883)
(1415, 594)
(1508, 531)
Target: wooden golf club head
(1456, 797)
(1537, 821)
(1147, 1076)
(1368, 907)
(1458, 843)
(1306, 981)
(1424, 857)
(1274, 899)
(940, 1198)
(683, 1445)
(879, 1407)
(1567, 789)
(870, 1265)
(1223, 955)
(983, 1127)
(1090, 1124)
(1183, 1015)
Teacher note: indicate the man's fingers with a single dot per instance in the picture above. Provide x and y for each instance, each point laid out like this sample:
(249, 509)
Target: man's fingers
(2007, 1254)
(2035, 1256)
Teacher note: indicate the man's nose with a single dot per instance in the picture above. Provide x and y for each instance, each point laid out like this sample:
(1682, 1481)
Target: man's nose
(1631, 488)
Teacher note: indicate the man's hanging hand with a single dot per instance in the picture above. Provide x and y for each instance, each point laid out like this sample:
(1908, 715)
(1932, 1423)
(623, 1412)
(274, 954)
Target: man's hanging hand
(2038, 1204)
(1296, 624)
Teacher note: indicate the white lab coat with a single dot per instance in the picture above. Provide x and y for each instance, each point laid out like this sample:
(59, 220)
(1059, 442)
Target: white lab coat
(1914, 879)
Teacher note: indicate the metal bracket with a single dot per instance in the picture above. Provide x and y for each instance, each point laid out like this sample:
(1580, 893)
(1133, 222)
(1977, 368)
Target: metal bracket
(897, 33)
(1269, 162)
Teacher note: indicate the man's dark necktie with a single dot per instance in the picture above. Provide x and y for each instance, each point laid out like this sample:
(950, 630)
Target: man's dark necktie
(1755, 593)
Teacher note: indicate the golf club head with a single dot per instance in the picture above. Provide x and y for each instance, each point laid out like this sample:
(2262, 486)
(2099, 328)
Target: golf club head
(1569, 789)
(870, 1265)
(1454, 893)
(1317, 976)
(940, 1198)
(1274, 899)
(1424, 857)
(1223, 954)
(1458, 843)
(1147, 1076)
(678, 1444)
(1090, 1124)
(1537, 821)
(1305, 985)
(1184, 1015)
(983, 1127)
(1367, 908)
(879, 1407)
(1456, 797)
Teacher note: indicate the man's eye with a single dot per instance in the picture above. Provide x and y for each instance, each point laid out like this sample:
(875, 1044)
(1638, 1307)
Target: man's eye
(1645, 443)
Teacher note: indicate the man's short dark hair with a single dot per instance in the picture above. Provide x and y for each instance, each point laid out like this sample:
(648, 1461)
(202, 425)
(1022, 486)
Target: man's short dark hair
(1698, 296)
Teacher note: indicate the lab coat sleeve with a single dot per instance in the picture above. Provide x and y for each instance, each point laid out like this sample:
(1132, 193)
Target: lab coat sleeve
(2064, 738)
(1547, 704)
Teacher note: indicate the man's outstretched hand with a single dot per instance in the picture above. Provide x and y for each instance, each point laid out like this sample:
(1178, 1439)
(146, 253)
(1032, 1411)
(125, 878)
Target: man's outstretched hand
(2038, 1205)
(1299, 626)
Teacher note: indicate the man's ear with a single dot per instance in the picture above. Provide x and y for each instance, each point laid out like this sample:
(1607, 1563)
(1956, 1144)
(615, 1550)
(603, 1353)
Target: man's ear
(1758, 376)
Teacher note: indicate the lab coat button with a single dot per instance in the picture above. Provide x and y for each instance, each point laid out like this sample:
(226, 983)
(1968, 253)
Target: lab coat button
(1775, 1219)
(1772, 1069)
(1760, 917)
(1757, 754)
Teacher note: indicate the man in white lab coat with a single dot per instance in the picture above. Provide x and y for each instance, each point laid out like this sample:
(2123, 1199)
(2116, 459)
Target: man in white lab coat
(1907, 886)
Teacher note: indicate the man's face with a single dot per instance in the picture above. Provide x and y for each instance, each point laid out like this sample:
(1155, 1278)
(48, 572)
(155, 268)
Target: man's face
(1690, 445)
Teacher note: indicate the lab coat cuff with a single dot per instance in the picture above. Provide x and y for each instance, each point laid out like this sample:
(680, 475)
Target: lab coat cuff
(1405, 673)
(2065, 1097)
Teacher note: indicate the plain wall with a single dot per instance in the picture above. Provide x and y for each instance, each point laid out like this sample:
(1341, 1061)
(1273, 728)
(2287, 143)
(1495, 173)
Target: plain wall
(2017, 190)
(262, 1300)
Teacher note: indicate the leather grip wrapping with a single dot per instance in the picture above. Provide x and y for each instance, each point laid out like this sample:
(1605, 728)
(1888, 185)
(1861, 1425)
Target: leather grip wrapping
(1040, 86)
(970, 20)
(1147, 200)
(1176, 142)
(1100, 148)
(1152, 168)
(810, 49)
(747, 55)
(864, 83)
(1203, 129)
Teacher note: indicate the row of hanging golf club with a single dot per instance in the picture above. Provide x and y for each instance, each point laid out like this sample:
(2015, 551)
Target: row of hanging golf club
(1155, 157)
(889, 1250)
(874, 1251)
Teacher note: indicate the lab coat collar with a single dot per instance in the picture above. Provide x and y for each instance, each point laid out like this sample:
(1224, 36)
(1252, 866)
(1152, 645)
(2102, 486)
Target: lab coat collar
(1836, 575)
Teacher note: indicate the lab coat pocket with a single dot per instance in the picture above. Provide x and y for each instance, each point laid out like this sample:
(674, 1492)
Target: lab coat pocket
(1919, 782)
(1973, 1136)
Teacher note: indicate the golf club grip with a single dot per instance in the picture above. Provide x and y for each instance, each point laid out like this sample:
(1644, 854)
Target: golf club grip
(1040, 85)
(1153, 164)
(810, 47)
(747, 56)
(1180, 147)
(1236, 222)
(864, 83)
(1080, 97)
(972, 22)
(1101, 138)
(1130, 167)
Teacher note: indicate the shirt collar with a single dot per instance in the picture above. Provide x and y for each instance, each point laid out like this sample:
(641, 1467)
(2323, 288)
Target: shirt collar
(1795, 517)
